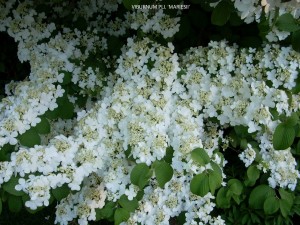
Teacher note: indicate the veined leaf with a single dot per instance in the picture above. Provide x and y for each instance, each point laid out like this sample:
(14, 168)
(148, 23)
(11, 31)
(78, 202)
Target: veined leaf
(283, 137)
(200, 156)
(140, 175)
(200, 184)
(163, 172)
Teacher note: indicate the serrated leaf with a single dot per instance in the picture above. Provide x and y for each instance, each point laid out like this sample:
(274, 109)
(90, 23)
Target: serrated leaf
(235, 186)
(283, 137)
(200, 156)
(43, 127)
(259, 194)
(127, 204)
(221, 13)
(15, 203)
(10, 187)
(163, 172)
(222, 200)
(140, 175)
(286, 22)
(271, 205)
(200, 184)
(121, 215)
(61, 192)
(30, 138)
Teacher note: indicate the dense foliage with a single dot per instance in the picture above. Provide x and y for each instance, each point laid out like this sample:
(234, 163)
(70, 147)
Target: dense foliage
(153, 112)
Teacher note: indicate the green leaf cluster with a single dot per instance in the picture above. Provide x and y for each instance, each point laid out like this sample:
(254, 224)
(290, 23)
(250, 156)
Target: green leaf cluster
(233, 190)
(210, 179)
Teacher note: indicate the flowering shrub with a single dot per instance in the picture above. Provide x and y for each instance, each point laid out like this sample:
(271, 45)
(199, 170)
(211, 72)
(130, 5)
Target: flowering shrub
(114, 123)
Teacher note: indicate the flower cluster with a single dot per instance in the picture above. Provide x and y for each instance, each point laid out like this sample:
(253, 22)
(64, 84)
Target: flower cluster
(269, 10)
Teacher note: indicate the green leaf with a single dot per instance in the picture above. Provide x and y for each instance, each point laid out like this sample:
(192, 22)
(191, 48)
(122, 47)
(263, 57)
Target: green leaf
(286, 195)
(214, 180)
(214, 177)
(169, 154)
(61, 192)
(236, 198)
(127, 204)
(222, 200)
(30, 138)
(221, 13)
(121, 215)
(285, 207)
(52, 114)
(200, 156)
(235, 186)
(253, 173)
(283, 137)
(10, 187)
(140, 175)
(200, 184)
(286, 22)
(241, 131)
(106, 212)
(15, 203)
(271, 205)
(66, 109)
(291, 120)
(295, 40)
(259, 194)
(43, 127)
(163, 172)
(244, 143)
